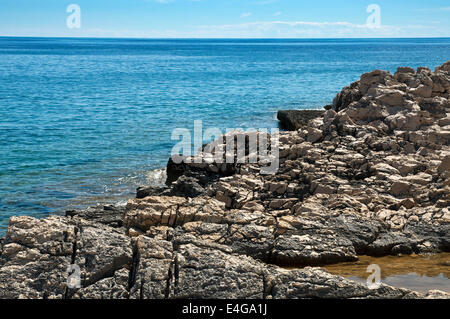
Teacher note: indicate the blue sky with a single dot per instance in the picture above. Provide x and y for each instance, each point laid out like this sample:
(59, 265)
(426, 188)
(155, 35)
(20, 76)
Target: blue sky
(226, 18)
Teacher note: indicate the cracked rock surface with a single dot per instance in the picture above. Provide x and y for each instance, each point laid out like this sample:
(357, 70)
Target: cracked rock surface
(369, 176)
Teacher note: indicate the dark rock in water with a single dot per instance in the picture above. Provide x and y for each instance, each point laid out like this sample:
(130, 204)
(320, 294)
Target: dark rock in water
(145, 191)
(295, 119)
(108, 215)
(202, 175)
(174, 171)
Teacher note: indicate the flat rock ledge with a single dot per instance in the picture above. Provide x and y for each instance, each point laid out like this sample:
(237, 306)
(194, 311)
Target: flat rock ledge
(371, 176)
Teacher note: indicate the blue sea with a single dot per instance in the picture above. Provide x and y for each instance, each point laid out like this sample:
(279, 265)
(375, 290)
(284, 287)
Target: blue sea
(84, 121)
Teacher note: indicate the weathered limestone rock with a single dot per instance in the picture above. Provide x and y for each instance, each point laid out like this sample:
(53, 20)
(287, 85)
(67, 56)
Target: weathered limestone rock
(422, 91)
(370, 176)
(35, 258)
(114, 287)
(399, 188)
(109, 215)
(152, 269)
(317, 283)
(235, 277)
(314, 135)
(100, 252)
(444, 167)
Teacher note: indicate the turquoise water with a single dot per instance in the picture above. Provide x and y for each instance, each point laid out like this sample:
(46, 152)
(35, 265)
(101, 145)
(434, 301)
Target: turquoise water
(84, 120)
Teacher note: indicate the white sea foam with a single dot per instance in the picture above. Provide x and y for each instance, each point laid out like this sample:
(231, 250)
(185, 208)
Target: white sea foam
(157, 177)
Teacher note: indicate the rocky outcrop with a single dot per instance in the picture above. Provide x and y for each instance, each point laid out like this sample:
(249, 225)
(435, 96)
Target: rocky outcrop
(371, 176)
(39, 253)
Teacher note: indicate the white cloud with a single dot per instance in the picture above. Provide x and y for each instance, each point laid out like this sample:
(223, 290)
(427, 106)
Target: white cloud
(278, 13)
(246, 14)
(262, 29)
(307, 29)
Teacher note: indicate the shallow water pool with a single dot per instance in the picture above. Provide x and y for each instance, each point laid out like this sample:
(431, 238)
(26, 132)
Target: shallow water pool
(415, 272)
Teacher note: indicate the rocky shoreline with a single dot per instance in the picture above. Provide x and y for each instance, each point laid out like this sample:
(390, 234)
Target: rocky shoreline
(370, 175)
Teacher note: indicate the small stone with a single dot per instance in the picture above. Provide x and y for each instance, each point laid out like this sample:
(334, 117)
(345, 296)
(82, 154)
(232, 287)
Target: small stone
(445, 165)
(400, 188)
(408, 203)
(314, 135)
(422, 91)
(413, 219)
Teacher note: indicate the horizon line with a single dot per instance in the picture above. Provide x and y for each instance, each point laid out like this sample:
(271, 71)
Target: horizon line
(216, 38)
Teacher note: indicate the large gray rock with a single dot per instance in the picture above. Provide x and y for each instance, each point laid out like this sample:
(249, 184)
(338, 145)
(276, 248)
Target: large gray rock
(100, 252)
(35, 258)
(109, 215)
(115, 287)
(317, 283)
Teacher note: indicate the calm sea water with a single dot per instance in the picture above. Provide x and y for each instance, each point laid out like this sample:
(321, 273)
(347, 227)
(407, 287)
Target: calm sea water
(84, 120)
